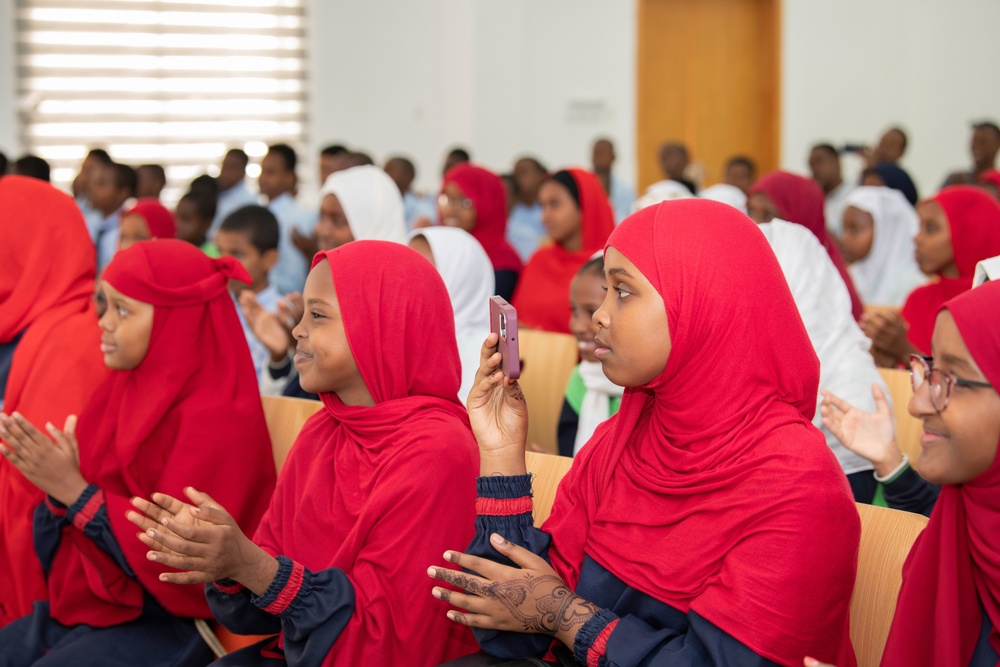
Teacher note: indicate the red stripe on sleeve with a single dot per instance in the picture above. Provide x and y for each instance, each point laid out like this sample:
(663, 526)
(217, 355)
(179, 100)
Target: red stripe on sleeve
(84, 516)
(503, 506)
(600, 645)
(289, 592)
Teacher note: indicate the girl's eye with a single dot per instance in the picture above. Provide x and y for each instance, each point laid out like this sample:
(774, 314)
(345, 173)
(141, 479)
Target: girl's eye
(622, 293)
(932, 228)
(121, 311)
(316, 315)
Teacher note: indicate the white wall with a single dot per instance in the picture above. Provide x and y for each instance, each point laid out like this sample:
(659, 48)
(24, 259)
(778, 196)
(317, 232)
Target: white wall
(852, 68)
(10, 142)
(502, 77)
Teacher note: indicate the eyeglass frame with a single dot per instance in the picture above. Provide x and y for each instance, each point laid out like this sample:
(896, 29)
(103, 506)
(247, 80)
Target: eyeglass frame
(463, 202)
(926, 363)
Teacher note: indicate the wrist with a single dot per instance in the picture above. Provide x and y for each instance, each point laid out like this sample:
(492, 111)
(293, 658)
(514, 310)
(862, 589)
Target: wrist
(890, 462)
(70, 491)
(507, 462)
(259, 569)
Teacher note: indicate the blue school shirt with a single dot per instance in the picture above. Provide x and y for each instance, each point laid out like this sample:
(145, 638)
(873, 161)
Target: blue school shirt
(525, 230)
(104, 233)
(622, 197)
(230, 200)
(417, 206)
(268, 298)
(289, 273)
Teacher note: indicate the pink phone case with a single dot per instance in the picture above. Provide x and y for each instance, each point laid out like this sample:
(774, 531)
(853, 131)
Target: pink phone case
(503, 320)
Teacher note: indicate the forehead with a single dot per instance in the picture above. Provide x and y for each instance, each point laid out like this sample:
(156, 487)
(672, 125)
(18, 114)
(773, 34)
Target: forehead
(319, 284)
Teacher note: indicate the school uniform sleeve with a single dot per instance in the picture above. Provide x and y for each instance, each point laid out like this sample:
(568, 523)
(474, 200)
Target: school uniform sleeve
(504, 506)
(88, 514)
(910, 492)
(312, 608)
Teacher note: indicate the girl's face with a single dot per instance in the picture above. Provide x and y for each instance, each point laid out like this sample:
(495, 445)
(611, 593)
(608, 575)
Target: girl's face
(586, 294)
(455, 209)
(191, 227)
(560, 215)
(332, 230)
(633, 337)
(960, 443)
(934, 253)
(762, 208)
(126, 327)
(323, 356)
(133, 229)
(859, 233)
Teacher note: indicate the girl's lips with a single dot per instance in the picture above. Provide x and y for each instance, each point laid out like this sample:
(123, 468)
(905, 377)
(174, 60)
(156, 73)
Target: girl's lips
(930, 438)
(108, 348)
(301, 357)
(586, 346)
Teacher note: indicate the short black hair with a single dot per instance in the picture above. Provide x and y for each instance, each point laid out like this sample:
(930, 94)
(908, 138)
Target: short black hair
(258, 223)
(158, 171)
(100, 155)
(459, 153)
(829, 148)
(287, 154)
(533, 160)
(902, 133)
(124, 177)
(595, 265)
(358, 159)
(744, 161)
(240, 154)
(333, 150)
(204, 202)
(987, 125)
(33, 166)
(206, 184)
(407, 163)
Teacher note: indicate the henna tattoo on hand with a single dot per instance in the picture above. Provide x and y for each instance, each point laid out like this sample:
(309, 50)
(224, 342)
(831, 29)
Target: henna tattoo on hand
(541, 604)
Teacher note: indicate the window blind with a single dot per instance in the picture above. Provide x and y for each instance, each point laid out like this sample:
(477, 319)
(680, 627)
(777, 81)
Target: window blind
(171, 82)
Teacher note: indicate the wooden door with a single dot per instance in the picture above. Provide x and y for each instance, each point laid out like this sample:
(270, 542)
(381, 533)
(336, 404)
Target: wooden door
(708, 74)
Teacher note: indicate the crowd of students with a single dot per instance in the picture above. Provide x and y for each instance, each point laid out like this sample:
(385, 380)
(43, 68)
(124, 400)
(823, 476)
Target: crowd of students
(726, 413)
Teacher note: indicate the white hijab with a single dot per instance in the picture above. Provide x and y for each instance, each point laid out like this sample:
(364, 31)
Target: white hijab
(371, 201)
(845, 366)
(667, 190)
(889, 272)
(727, 194)
(468, 274)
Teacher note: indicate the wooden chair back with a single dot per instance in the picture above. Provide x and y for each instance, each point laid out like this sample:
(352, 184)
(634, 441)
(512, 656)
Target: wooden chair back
(548, 360)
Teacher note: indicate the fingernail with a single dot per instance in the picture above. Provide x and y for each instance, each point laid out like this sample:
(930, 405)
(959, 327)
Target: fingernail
(436, 592)
(163, 577)
(49, 426)
(432, 571)
(163, 521)
(151, 555)
(151, 532)
(497, 540)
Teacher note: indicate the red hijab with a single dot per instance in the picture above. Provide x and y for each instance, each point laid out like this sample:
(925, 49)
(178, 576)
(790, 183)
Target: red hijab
(711, 490)
(46, 292)
(393, 485)
(954, 566)
(188, 414)
(542, 293)
(974, 221)
(158, 218)
(801, 201)
(486, 191)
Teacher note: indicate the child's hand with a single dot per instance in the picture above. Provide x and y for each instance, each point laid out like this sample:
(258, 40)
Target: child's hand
(307, 245)
(203, 539)
(870, 435)
(267, 327)
(51, 465)
(498, 415)
(887, 331)
(813, 662)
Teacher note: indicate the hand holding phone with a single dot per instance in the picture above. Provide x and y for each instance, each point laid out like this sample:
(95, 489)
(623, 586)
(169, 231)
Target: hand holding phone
(503, 321)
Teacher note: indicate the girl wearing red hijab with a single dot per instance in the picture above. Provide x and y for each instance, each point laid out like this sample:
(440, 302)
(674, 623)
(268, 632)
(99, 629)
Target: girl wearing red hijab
(797, 199)
(578, 219)
(959, 227)
(50, 359)
(180, 404)
(147, 220)
(707, 523)
(362, 505)
(474, 199)
(948, 612)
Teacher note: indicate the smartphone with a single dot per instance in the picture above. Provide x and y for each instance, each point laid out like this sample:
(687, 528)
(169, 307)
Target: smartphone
(503, 320)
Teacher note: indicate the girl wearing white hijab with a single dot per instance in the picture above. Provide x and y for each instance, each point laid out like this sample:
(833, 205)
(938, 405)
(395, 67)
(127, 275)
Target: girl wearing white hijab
(360, 203)
(879, 226)
(727, 194)
(468, 274)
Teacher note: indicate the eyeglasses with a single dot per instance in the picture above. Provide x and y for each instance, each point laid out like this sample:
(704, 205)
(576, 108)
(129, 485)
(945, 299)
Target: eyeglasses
(461, 202)
(939, 382)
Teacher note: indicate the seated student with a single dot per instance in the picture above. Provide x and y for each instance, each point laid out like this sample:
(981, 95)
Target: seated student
(415, 206)
(591, 398)
(88, 172)
(332, 158)
(278, 184)
(579, 219)
(231, 191)
(662, 544)
(620, 194)
(50, 359)
(525, 231)
(179, 406)
(148, 219)
(780, 194)
(473, 199)
(194, 215)
(468, 275)
(877, 242)
(455, 157)
(250, 235)
(891, 176)
(361, 505)
(959, 226)
(948, 611)
(113, 184)
(741, 172)
(150, 181)
(824, 165)
(674, 160)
